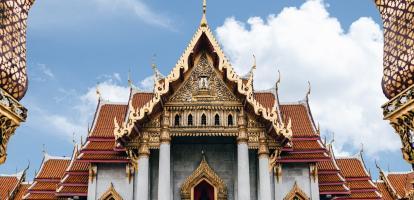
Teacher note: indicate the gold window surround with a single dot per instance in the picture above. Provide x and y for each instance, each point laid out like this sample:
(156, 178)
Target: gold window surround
(111, 194)
(296, 194)
(204, 173)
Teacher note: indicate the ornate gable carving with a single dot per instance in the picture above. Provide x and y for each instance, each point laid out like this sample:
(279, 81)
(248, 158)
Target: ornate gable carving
(203, 85)
(296, 194)
(204, 172)
(111, 194)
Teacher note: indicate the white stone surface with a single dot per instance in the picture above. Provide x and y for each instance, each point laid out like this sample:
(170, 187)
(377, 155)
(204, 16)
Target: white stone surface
(243, 175)
(164, 178)
(142, 186)
(264, 178)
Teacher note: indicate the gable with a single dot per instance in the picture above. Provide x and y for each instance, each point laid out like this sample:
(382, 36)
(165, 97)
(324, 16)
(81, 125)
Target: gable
(203, 84)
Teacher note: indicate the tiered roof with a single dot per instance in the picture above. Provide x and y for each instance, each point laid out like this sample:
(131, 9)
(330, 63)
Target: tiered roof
(48, 177)
(75, 180)
(396, 185)
(358, 178)
(10, 184)
(100, 145)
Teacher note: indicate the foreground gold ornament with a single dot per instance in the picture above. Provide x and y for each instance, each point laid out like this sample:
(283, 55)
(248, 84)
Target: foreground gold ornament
(13, 77)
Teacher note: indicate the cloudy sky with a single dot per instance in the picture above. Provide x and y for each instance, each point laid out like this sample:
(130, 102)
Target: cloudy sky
(75, 46)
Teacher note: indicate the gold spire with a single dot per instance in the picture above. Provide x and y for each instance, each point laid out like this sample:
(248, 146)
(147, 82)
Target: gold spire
(204, 19)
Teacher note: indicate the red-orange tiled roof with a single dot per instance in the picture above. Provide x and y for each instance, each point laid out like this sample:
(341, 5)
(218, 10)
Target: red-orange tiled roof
(357, 178)
(99, 146)
(401, 182)
(327, 165)
(266, 99)
(301, 123)
(382, 188)
(330, 178)
(307, 145)
(351, 168)
(330, 188)
(73, 190)
(53, 169)
(103, 157)
(82, 179)
(104, 124)
(291, 156)
(41, 196)
(22, 190)
(43, 186)
(7, 185)
(141, 98)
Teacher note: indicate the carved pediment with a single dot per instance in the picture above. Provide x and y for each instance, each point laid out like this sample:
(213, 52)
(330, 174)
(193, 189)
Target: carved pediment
(204, 173)
(203, 84)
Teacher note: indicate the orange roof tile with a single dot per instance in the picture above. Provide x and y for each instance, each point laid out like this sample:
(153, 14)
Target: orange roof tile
(306, 156)
(73, 190)
(382, 188)
(351, 168)
(43, 186)
(22, 190)
(307, 145)
(104, 124)
(327, 165)
(266, 99)
(53, 169)
(363, 184)
(41, 196)
(302, 125)
(364, 195)
(401, 182)
(331, 188)
(83, 179)
(330, 178)
(100, 146)
(141, 98)
(7, 185)
(103, 157)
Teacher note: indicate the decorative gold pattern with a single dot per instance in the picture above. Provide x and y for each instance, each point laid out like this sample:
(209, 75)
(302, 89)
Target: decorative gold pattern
(130, 171)
(398, 19)
(405, 129)
(191, 90)
(162, 87)
(204, 172)
(13, 23)
(7, 128)
(111, 194)
(314, 171)
(92, 172)
(263, 148)
(296, 194)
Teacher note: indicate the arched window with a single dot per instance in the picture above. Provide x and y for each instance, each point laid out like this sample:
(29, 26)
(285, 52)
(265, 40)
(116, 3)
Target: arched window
(177, 120)
(230, 120)
(190, 120)
(217, 120)
(203, 120)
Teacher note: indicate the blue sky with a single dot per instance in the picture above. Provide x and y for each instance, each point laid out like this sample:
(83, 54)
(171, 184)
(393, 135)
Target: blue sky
(73, 45)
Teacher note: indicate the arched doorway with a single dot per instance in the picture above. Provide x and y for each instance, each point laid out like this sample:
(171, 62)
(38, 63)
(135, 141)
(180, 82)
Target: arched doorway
(204, 191)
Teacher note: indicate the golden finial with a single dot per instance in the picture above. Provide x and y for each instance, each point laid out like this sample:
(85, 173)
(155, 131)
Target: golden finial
(204, 19)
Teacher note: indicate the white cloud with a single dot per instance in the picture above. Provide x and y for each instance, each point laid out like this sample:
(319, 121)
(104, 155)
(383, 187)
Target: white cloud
(140, 9)
(147, 84)
(344, 67)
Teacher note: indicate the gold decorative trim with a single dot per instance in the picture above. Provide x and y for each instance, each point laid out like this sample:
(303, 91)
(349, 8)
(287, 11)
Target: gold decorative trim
(92, 172)
(203, 172)
(313, 171)
(130, 171)
(162, 87)
(111, 194)
(296, 193)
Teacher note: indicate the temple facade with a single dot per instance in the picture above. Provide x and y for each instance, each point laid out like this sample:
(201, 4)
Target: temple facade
(203, 133)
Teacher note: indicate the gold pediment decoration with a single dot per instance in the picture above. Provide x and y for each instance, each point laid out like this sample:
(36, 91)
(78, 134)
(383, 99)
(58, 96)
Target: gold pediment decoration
(163, 86)
(296, 194)
(204, 173)
(203, 84)
(111, 194)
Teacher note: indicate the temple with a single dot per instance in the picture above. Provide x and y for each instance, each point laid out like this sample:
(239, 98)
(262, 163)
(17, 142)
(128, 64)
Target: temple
(205, 133)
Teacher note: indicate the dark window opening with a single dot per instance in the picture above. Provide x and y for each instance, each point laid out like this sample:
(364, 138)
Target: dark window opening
(177, 120)
(190, 120)
(203, 120)
(230, 120)
(217, 120)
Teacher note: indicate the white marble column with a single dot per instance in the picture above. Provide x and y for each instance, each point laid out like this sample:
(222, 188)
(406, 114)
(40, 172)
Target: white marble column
(243, 174)
(264, 173)
(164, 170)
(142, 186)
